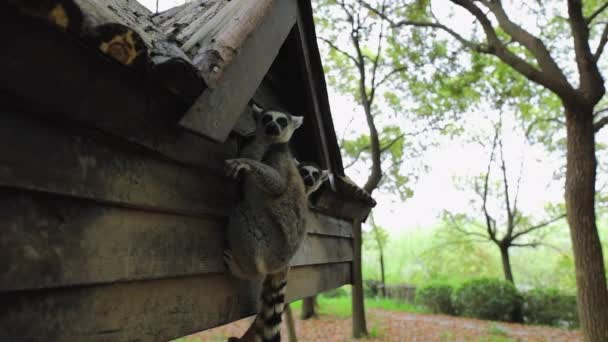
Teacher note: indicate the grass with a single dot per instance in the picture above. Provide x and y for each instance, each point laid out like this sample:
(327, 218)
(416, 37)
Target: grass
(341, 306)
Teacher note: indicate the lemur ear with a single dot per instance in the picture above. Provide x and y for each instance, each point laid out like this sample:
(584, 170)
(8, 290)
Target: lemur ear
(297, 121)
(324, 175)
(256, 110)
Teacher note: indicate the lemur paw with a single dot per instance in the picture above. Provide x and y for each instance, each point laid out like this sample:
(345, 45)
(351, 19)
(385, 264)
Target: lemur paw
(234, 166)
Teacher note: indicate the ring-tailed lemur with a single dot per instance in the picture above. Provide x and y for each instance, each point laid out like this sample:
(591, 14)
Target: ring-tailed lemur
(312, 176)
(269, 318)
(266, 228)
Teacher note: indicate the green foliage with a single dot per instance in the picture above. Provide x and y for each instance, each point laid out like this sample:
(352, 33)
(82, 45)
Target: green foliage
(342, 306)
(550, 307)
(337, 292)
(436, 297)
(486, 298)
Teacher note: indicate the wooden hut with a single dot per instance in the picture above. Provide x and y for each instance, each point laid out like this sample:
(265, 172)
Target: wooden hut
(114, 129)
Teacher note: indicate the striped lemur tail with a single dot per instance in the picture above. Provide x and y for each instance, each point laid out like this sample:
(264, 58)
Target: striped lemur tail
(268, 322)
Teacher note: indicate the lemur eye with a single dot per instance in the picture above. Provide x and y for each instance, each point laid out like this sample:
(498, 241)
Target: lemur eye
(282, 122)
(315, 174)
(303, 172)
(266, 119)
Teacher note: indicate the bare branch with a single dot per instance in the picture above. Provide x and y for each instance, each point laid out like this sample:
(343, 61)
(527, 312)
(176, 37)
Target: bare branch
(391, 143)
(538, 226)
(539, 120)
(601, 44)
(391, 73)
(457, 227)
(335, 47)
(599, 124)
(490, 222)
(435, 25)
(530, 244)
(596, 13)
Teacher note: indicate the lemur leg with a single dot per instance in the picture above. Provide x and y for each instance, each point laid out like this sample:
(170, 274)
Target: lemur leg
(268, 179)
(233, 266)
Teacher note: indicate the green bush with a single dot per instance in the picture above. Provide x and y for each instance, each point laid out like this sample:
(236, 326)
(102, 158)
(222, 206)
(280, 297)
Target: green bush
(550, 307)
(492, 299)
(436, 297)
(335, 293)
(371, 288)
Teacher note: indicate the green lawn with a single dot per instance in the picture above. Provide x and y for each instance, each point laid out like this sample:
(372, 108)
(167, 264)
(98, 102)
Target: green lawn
(341, 306)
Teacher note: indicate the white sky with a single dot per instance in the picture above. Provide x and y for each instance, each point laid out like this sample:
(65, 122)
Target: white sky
(436, 190)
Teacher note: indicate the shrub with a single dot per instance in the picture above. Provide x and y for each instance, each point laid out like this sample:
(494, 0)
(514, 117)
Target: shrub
(335, 293)
(436, 297)
(486, 299)
(371, 288)
(550, 307)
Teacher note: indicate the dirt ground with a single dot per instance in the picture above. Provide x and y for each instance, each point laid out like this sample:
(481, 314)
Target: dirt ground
(400, 326)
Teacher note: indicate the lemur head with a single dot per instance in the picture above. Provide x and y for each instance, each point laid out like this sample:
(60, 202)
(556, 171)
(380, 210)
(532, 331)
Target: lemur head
(274, 125)
(312, 176)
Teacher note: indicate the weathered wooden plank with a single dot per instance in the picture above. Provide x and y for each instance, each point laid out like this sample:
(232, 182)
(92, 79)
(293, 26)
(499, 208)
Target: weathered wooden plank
(50, 241)
(326, 225)
(310, 280)
(148, 311)
(317, 249)
(216, 111)
(53, 159)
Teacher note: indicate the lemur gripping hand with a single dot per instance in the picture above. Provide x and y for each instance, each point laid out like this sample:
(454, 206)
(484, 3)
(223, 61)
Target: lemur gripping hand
(234, 166)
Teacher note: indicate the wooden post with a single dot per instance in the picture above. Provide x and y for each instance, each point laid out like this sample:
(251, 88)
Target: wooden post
(291, 327)
(359, 325)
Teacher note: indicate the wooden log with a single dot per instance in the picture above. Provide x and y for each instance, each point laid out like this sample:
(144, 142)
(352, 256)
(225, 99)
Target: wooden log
(50, 241)
(71, 82)
(62, 14)
(216, 111)
(222, 38)
(172, 68)
(57, 160)
(154, 311)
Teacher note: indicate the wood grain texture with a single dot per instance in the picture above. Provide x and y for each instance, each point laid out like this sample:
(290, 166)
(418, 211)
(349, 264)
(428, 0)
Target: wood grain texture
(56, 160)
(52, 241)
(150, 311)
(216, 111)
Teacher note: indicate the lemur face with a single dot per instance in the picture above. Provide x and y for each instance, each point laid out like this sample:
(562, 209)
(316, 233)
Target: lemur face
(276, 126)
(312, 176)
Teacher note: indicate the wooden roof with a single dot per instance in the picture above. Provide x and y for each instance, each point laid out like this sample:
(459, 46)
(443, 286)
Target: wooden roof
(211, 54)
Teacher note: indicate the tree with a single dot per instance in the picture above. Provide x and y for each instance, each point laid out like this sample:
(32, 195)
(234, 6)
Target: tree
(309, 307)
(360, 63)
(531, 55)
(506, 226)
(377, 238)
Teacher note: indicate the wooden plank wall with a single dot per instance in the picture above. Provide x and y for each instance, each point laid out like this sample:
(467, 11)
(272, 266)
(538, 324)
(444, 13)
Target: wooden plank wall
(114, 234)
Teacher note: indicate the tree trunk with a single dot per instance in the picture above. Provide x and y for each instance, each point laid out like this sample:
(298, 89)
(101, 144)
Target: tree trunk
(506, 264)
(592, 295)
(359, 325)
(517, 313)
(383, 279)
(291, 327)
(309, 306)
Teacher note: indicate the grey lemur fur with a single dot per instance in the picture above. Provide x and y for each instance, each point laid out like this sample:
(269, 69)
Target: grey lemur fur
(267, 323)
(268, 225)
(312, 176)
